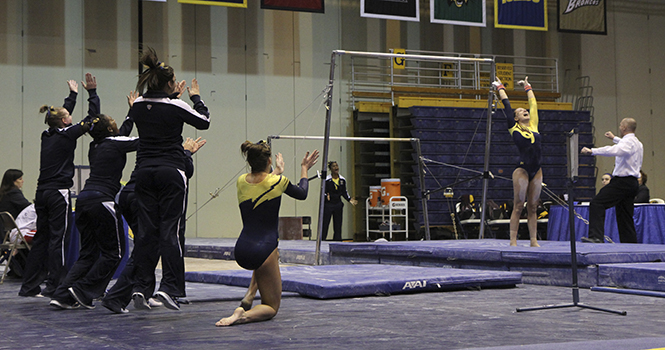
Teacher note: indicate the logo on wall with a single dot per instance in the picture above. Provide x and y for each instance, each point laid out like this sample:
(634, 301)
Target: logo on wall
(582, 16)
(575, 4)
(458, 3)
(458, 12)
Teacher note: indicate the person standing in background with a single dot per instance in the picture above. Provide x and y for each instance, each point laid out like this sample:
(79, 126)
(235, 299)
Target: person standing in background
(333, 206)
(621, 191)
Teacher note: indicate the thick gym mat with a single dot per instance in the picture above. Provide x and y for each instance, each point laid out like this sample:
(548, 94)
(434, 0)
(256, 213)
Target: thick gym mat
(499, 252)
(644, 276)
(339, 281)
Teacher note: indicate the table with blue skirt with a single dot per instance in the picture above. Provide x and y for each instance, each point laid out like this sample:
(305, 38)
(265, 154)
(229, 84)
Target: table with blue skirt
(649, 223)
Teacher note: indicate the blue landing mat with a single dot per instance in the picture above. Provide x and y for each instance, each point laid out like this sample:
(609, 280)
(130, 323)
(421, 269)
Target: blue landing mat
(644, 276)
(290, 251)
(495, 252)
(339, 281)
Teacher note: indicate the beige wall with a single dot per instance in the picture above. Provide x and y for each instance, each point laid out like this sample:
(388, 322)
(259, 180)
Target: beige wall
(261, 72)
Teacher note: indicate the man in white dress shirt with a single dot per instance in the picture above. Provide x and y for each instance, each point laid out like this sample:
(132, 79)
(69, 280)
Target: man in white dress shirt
(622, 189)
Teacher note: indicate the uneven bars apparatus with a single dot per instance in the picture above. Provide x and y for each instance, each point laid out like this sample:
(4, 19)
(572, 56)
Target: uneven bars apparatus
(326, 137)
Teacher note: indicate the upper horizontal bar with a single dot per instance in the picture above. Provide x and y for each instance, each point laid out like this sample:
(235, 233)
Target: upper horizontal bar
(297, 137)
(419, 57)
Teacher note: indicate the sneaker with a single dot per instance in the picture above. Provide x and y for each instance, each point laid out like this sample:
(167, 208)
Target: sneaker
(168, 301)
(154, 302)
(140, 302)
(115, 309)
(79, 300)
(63, 306)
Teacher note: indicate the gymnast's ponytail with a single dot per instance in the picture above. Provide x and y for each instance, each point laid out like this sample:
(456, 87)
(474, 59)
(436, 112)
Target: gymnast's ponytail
(156, 75)
(257, 155)
(53, 115)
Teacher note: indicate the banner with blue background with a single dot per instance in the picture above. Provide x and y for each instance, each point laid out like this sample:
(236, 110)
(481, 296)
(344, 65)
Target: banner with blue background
(520, 14)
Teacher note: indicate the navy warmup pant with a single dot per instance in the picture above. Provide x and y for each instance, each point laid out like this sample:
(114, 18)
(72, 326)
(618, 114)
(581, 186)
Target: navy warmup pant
(161, 197)
(46, 259)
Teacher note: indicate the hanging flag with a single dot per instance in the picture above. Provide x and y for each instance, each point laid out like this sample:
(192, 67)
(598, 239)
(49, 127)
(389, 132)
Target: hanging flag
(294, 5)
(523, 14)
(229, 3)
(459, 12)
(577, 16)
(403, 10)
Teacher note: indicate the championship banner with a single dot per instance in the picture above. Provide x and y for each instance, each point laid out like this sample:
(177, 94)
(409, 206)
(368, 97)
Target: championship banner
(294, 5)
(582, 16)
(401, 10)
(459, 12)
(524, 14)
(229, 3)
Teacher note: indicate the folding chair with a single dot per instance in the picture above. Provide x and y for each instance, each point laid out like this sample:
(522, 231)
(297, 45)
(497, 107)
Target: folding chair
(9, 246)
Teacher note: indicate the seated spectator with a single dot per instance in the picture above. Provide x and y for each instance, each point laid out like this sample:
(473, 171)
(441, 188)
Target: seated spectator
(643, 190)
(12, 199)
(606, 178)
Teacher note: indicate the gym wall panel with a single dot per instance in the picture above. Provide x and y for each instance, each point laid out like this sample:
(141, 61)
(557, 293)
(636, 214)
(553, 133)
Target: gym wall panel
(632, 80)
(598, 60)
(242, 33)
(4, 32)
(285, 42)
(45, 33)
(196, 38)
(10, 90)
(156, 29)
(656, 50)
(101, 34)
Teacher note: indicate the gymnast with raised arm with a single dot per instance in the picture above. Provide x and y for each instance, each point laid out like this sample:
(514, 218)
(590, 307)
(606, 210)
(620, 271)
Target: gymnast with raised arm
(259, 197)
(528, 176)
(52, 200)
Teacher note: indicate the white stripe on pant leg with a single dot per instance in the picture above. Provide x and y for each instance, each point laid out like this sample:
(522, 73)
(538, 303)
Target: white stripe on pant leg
(182, 211)
(65, 195)
(110, 206)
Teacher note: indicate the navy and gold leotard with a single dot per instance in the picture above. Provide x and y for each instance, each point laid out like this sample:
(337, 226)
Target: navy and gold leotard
(528, 139)
(259, 208)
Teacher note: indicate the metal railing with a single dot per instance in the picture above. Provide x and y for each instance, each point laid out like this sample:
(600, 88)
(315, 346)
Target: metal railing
(375, 78)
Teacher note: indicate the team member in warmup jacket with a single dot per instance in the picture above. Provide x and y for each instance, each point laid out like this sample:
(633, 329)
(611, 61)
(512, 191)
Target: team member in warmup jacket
(119, 296)
(46, 259)
(161, 183)
(333, 206)
(528, 176)
(98, 218)
(259, 198)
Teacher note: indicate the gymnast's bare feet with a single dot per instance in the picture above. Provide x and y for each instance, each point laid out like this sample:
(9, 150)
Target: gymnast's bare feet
(534, 243)
(231, 320)
(513, 243)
